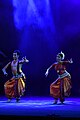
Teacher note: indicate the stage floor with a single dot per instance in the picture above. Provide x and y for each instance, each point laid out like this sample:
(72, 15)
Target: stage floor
(40, 106)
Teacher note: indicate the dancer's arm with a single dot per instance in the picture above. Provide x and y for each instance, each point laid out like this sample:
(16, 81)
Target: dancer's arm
(24, 60)
(4, 69)
(68, 61)
(47, 71)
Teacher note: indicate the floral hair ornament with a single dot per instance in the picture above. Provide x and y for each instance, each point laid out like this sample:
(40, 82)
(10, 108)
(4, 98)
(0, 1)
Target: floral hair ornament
(62, 55)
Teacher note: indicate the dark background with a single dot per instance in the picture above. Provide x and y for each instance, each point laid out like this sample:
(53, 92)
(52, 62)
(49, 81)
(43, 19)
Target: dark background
(40, 29)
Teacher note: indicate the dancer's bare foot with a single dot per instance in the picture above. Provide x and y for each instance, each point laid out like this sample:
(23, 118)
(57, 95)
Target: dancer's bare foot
(55, 101)
(9, 100)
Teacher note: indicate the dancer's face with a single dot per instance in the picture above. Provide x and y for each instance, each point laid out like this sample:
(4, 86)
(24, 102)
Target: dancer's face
(15, 56)
(58, 58)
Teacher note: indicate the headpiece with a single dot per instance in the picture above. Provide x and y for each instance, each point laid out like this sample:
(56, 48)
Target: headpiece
(62, 55)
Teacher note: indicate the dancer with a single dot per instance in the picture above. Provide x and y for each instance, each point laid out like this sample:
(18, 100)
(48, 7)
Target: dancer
(15, 87)
(60, 88)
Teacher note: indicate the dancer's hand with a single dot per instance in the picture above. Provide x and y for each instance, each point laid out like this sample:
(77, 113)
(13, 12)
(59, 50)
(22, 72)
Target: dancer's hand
(47, 72)
(24, 59)
(5, 73)
(71, 61)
